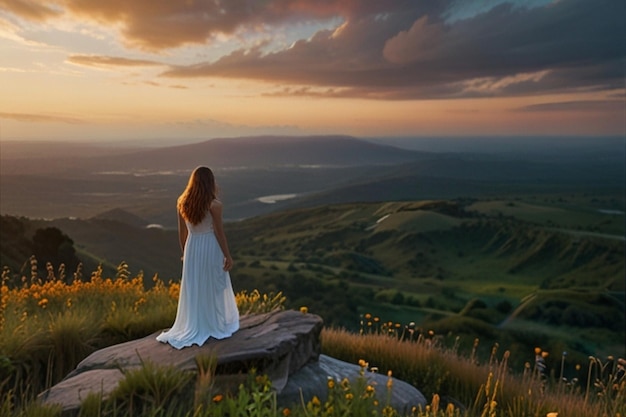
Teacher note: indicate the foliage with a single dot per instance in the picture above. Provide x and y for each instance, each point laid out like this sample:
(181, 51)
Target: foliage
(48, 325)
(57, 328)
(515, 271)
(489, 389)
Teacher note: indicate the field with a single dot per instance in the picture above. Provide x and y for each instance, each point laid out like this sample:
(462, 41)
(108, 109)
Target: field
(473, 251)
(48, 326)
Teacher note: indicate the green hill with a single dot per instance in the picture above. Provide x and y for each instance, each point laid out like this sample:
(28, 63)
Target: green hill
(429, 262)
(520, 272)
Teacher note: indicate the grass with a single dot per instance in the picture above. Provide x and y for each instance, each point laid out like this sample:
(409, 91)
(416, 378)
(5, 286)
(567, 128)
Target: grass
(47, 327)
(439, 255)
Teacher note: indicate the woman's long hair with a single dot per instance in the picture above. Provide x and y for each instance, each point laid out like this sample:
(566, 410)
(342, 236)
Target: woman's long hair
(201, 190)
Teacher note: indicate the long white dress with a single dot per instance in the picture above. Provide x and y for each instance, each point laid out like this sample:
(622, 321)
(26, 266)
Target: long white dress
(206, 304)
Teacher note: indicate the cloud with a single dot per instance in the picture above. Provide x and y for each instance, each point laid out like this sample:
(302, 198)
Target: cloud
(392, 50)
(31, 9)
(157, 25)
(417, 43)
(109, 61)
(40, 118)
(580, 105)
(413, 53)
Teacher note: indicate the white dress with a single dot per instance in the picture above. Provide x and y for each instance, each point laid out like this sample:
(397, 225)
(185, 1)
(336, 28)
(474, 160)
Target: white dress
(206, 304)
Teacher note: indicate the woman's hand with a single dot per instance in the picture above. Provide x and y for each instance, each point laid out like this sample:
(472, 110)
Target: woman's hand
(228, 263)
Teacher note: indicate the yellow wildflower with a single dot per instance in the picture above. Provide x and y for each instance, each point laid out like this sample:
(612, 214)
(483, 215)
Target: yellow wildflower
(345, 384)
(331, 383)
(304, 310)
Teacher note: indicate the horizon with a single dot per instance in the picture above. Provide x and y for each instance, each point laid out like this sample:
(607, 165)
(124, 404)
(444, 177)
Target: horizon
(434, 143)
(105, 72)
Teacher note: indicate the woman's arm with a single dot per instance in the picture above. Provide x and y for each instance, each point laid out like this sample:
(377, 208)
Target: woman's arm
(182, 232)
(218, 227)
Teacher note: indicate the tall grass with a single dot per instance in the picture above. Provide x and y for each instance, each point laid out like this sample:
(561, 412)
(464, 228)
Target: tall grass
(490, 388)
(48, 325)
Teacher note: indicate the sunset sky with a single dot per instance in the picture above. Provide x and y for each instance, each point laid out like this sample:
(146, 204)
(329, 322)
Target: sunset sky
(197, 69)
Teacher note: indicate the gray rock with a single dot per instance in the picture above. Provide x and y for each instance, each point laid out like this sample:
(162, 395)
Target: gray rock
(312, 380)
(285, 345)
(276, 344)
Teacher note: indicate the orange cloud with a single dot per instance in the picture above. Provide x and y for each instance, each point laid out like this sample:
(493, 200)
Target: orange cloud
(40, 118)
(389, 50)
(109, 61)
(157, 25)
(31, 10)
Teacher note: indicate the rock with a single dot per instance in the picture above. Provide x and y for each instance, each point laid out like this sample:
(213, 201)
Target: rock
(312, 380)
(284, 345)
(276, 344)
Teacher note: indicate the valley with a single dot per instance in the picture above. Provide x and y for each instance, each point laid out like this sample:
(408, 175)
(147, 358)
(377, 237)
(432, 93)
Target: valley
(524, 250)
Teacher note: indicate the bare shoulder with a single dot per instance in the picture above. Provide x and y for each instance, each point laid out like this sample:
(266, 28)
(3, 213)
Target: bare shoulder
(216, 206)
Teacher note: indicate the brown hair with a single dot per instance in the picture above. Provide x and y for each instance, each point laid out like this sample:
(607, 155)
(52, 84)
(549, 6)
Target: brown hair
(201, 190)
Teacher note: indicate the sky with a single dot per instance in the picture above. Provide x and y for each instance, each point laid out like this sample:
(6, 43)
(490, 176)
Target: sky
(184, 70)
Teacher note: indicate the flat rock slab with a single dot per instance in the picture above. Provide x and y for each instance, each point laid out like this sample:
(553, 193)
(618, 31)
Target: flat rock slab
(277, 344)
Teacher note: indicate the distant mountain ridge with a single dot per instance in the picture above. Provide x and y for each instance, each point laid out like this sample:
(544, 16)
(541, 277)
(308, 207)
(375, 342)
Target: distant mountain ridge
(249, 152)
(315, 170)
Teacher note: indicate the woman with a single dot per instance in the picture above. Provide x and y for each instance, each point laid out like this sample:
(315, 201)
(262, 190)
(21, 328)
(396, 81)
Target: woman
(206, 305)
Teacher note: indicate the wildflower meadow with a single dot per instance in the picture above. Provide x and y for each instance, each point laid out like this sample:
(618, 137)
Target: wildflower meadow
(49, 324)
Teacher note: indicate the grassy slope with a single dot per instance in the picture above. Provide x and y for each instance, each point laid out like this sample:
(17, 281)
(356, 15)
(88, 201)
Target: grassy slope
(429, 261)
(536, 270)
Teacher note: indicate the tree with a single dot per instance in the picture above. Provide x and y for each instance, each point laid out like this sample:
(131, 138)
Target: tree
(52, 245)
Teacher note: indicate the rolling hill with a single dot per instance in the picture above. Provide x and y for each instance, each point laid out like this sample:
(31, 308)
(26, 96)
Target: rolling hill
(515, 271)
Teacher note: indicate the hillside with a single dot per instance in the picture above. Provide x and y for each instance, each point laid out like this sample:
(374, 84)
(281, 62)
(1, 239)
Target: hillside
(517, 271)
(454, 266)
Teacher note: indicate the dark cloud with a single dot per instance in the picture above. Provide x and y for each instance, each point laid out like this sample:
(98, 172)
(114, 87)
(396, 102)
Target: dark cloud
(401, 49)
(161, 24)
(412, 52)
